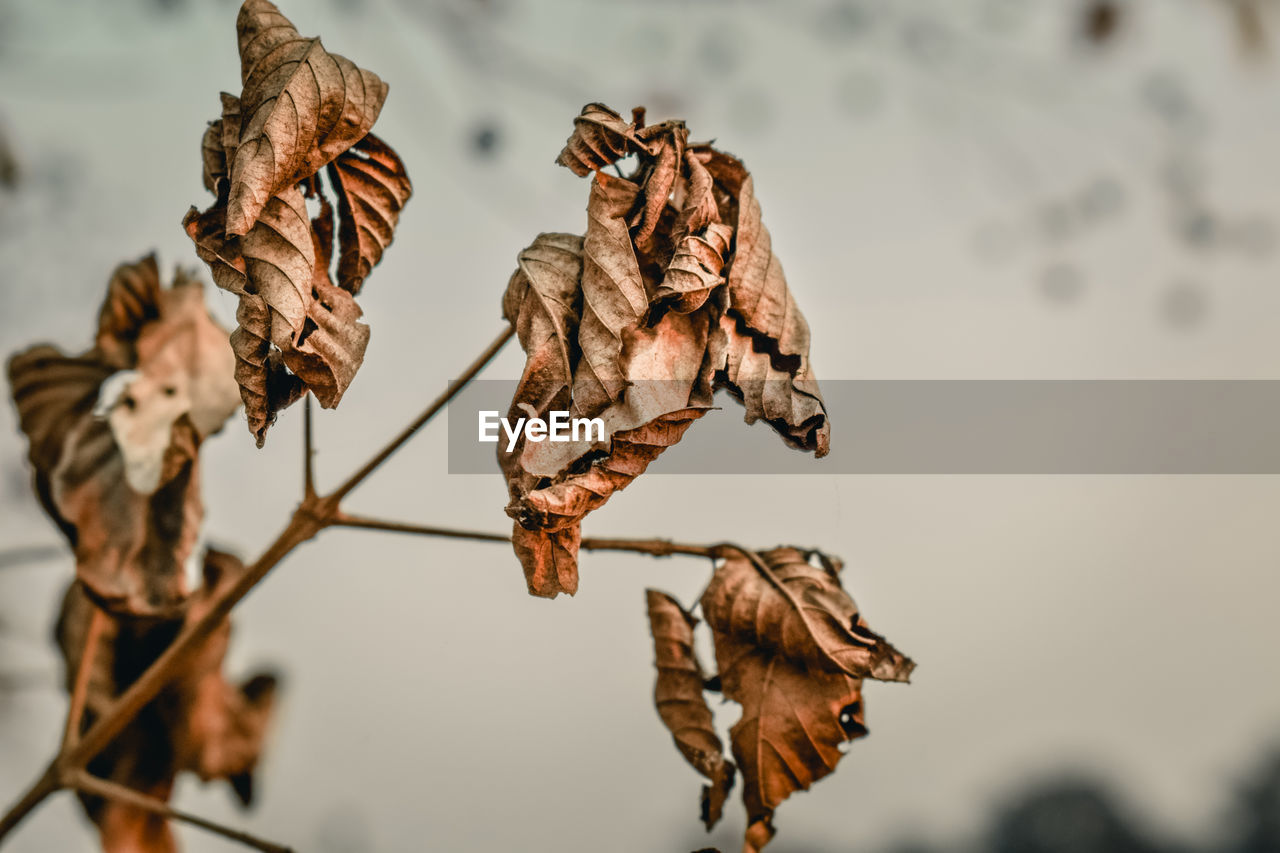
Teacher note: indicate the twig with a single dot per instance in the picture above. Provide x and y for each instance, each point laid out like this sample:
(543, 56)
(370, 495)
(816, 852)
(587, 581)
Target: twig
(396, 443)
(345, 520)
(652, 547)
(308, 452)
(80, 692)
(29, 554)
(106, 789)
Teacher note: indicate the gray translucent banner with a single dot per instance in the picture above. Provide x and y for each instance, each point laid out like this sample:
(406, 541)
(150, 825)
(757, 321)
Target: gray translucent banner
(964, 427)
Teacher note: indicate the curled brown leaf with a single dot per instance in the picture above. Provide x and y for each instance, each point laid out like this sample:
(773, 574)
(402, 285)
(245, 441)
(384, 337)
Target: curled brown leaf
(780, 601)
(600, 137)
(678, 696)
(372, 188)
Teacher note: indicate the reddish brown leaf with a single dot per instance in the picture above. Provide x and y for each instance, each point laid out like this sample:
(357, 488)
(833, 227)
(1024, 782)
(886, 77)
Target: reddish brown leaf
(372, 188)
(200, 723)
(549, 558)
(302, 107)
(794, 721)
(680, 702)
(600, 137)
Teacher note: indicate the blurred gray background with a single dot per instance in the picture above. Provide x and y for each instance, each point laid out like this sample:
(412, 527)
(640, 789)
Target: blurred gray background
(957, 189)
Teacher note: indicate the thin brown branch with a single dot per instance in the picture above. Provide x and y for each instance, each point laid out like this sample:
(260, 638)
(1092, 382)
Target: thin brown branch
(308, 452)
(29, 554)
(94, 786)
(419, 422)
(80, 692)
(345, 520)
(652, 547)
(32, 797)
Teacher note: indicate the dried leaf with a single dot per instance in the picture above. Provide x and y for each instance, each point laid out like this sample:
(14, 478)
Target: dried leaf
(600, 137)
(549, 559)
(680, 702)
(200, 723)
(786, 605)
(302, 107)
(372, 188)
(124, 488)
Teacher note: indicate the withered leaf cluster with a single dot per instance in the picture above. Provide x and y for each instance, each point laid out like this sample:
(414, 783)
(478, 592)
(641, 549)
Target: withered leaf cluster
(301, 110)
(671, 293)
(199, 723)
(114, 437)
(117, 467)
(792, 649)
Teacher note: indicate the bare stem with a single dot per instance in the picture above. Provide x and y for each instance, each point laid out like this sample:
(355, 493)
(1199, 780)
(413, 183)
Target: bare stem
(106, 789)
(34, 796)
(308, 452)
(419, 422)
(29, 554)
(80, 692)
(652, 547)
